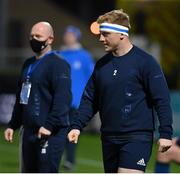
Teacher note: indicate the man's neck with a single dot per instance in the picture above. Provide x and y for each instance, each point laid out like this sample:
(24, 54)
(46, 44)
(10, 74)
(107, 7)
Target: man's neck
(123, 49)
(43, 52)
(74, 46)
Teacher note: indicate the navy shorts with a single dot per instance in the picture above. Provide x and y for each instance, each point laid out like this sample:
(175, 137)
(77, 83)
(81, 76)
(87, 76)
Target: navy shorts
(129, 151)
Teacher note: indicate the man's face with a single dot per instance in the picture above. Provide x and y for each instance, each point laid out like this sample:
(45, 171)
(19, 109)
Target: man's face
(40, 33)
(41, 37)
(110, 40)
(69, 38)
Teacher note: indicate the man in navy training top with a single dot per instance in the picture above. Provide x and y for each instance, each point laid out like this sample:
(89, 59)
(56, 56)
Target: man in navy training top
(81, 63)
(42, 104)
(126, 86)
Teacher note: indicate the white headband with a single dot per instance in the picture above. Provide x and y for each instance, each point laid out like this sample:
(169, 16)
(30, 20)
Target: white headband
(115, 28)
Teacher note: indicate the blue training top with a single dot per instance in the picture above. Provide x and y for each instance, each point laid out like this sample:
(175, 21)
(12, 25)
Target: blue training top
(82, 65)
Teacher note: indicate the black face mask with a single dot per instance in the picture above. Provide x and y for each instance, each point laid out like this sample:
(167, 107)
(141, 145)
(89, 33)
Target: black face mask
(37, 46)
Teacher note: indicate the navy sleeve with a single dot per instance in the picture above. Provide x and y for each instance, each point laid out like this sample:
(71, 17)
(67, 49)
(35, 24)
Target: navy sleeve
(61, 95)
(156, 87)
(16, 119)
(88, 105)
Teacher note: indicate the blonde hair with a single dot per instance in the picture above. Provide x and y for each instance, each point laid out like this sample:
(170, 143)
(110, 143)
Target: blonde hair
(115, 17)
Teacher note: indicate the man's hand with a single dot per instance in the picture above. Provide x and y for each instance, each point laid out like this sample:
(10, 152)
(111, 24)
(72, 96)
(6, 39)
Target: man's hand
(164, 144)
(8, 134)
(73, 135)
(43, 132)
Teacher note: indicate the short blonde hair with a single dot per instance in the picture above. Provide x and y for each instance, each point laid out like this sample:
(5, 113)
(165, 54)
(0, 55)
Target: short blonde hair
(115, 17)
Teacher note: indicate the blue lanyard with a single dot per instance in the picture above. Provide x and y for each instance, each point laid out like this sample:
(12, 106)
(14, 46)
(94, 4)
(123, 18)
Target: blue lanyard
(32, 67)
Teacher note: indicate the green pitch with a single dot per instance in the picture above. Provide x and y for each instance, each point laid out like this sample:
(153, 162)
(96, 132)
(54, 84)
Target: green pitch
(89, 158)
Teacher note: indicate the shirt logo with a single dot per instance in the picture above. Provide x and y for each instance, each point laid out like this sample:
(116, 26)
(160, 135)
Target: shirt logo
(44, 146)
(115, 72)
(141, 162)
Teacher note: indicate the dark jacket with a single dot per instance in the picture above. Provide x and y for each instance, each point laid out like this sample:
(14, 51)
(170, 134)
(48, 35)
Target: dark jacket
(50, 96)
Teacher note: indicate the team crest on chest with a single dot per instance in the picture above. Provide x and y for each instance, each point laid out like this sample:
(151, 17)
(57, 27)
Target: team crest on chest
(115, 72)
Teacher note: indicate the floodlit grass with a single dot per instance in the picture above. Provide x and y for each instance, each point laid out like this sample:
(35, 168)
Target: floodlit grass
(89, 155)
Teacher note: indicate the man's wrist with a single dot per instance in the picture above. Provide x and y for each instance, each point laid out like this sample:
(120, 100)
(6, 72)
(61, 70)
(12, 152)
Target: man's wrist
(75, 127)
(164, 135)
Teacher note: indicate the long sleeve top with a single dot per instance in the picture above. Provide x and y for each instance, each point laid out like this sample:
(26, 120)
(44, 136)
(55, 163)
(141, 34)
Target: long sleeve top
(126, 90)
(50, 96)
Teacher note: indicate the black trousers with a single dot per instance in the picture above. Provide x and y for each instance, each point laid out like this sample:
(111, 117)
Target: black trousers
(42, 155)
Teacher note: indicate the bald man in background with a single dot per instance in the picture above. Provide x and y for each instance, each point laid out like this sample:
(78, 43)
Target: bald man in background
(42, 104)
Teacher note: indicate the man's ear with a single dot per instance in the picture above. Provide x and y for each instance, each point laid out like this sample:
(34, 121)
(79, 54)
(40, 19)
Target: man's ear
(50, 40)
(121, 36)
